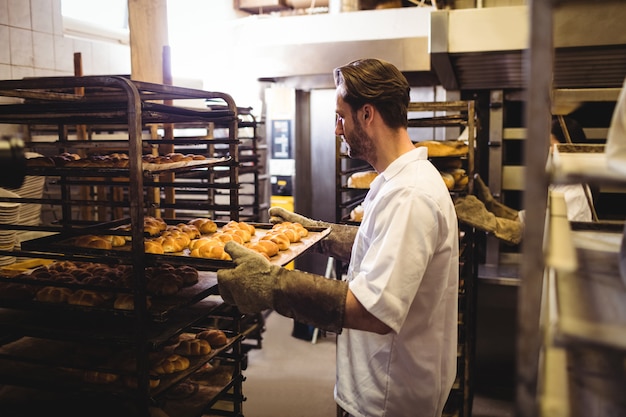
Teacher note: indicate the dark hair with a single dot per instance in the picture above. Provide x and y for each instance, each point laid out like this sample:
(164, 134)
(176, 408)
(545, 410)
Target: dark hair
(378, 83)
(574, 130)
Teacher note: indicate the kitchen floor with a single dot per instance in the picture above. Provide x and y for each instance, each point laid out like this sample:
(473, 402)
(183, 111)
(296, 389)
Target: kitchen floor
(290, 377)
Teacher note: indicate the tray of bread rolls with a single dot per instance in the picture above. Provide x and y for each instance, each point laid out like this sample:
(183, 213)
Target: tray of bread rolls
(86, 367)
(97, 288)
(197, 242)
(118, 163)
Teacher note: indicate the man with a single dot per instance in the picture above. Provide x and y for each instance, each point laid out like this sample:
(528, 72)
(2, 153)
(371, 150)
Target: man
(396, 311)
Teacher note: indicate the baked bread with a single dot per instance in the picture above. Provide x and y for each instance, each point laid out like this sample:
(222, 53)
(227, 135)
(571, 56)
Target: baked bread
(116, 240)
(211, 250)
(193, 347)
(361, 179)
(279, 238)
(448, 179)
(356, 214)
(289, 231)
(444, 148)
(93, 241)
(127, 302)
(86, 298)
(227, 237)
(154, 247)
(163, 284)
(171, 364)
(264, 246)
(54, 294)
(188, 274)
(215, 337)
(204, 225)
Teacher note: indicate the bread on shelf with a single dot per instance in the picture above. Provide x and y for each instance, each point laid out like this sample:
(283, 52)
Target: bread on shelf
(361, 179)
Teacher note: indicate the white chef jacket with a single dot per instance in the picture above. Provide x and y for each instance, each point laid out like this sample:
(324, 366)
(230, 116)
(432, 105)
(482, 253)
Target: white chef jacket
(404, 270)
(578, 209)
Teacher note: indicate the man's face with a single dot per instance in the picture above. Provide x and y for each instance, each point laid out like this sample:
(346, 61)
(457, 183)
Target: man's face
(349, 126)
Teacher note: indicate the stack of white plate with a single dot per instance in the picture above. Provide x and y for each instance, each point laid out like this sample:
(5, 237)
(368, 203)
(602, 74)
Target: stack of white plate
(9, 214)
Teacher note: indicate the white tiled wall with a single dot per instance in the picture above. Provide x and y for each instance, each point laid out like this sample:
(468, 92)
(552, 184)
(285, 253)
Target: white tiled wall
(32, 44)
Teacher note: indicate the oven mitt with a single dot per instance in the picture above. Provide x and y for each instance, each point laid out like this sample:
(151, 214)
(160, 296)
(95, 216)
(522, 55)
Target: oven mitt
(484, 194)
(338, 243)
(255, 285)
(472, 211)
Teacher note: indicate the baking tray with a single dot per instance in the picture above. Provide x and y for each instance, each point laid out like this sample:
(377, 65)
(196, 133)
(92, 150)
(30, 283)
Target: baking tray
(148, 169)
(161, 306)
(61, 242)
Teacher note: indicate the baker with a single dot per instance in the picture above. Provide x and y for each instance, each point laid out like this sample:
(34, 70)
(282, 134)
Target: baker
(396, 310)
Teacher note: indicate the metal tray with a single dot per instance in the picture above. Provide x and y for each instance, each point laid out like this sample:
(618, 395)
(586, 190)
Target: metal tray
(61, 242)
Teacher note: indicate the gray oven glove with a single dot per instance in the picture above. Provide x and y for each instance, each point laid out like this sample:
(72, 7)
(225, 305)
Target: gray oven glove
(338, 243)
(255, 285)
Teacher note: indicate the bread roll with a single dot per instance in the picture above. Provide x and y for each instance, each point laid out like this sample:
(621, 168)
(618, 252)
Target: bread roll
(361, 179)
(442, 148)
(193, 347)
(215, 337)
(54, 294)
(188, 274)
(288, 230)
(268, 247)
(279, 238)
(127, 302)
(163, 284)
(448, 179)
(151, 246)
(92, 241)
(86, 298)
(171, 364)
(204, 225)
(212, 251)
(356, 214)
(227, 237)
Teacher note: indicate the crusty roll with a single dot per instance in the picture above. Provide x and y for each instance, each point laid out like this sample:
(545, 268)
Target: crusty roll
(116, 240)
(193, 347)
(448, 179)
(214, 250)
(291, 233)
(163, 284)
(361, 179)
(258, 249)
(215, 337)
(204, 225)
(227, 237)
(356, 214)
(86, 298)
(171, 364)
(197, 243)
(153, 246)
(127, 302)
(279, 238)
(269, 247)
(93, 241)
(53, 294)
(188, 274)
(245, 235)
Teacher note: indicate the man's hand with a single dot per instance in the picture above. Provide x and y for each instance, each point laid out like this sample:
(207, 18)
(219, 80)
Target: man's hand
(338, 243)
(255, 285)
(250, 284)
(279, 215)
